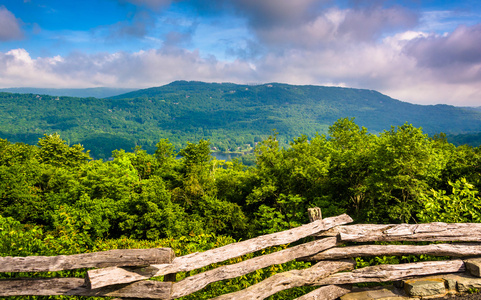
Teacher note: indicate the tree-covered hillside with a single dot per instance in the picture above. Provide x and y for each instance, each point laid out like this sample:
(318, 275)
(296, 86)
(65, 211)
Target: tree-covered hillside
(378, 178)
(54, 199)
(231, 116)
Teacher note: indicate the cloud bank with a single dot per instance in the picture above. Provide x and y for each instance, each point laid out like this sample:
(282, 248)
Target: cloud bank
(9, 26)
(299, 42)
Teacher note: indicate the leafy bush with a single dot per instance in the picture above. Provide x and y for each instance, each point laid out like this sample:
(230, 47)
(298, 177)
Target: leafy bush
(461, 205)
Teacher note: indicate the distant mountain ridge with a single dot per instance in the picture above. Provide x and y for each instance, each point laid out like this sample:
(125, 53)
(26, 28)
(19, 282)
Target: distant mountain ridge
(371, 109)
(230, 115)
(98, 92)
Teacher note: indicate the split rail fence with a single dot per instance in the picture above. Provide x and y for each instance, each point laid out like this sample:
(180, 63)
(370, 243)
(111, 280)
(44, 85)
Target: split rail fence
(125, 273)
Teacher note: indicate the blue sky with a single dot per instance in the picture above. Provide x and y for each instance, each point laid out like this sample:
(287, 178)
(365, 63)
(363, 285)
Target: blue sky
(425, 52)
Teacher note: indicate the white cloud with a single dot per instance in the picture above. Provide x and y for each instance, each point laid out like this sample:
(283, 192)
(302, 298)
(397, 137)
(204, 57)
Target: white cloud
(460, 48)
(9, 26)
(295, 42)
(381, 66)
(270, 13)
(140, 69)
(385, 67)
(370, 24)
(138, 27)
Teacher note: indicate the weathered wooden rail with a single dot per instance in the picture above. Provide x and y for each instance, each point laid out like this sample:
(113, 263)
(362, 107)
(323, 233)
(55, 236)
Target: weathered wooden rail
(125, 273)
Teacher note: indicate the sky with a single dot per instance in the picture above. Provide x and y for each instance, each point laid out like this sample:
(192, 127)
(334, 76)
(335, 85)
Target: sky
(418, 51)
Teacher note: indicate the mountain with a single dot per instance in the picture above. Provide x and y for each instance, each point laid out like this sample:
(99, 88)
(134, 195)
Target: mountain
(229, 115)
(287, 106)
(98, 92)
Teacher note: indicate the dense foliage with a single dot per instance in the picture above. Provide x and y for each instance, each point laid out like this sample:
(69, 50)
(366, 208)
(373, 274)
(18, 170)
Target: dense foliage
(56, 199)
(230, 116)
(472, 139)
(384, 177)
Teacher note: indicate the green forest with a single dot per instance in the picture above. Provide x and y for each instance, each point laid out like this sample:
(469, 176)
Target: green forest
(55, 199)
(232, 117)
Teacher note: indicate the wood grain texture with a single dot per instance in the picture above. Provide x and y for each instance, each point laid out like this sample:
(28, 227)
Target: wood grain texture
(76, 287)
(455, 250)
(461, 232)
(194, 283)
(314, 214)
(107, 276)
(382, 273)
(129, 257)
(288, 280)
(328, 292)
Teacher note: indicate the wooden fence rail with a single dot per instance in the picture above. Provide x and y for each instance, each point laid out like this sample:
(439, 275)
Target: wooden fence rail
(108, 276)
(130, 257)
(125, 273)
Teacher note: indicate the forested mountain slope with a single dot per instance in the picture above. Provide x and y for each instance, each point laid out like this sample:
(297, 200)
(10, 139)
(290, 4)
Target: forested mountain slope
(227, 114)
(318, 105)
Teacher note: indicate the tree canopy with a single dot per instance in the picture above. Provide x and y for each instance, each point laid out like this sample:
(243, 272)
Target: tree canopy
(56, 199)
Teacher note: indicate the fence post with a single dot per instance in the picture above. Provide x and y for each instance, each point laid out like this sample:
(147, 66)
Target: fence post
(314, 214)
(172, 277)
